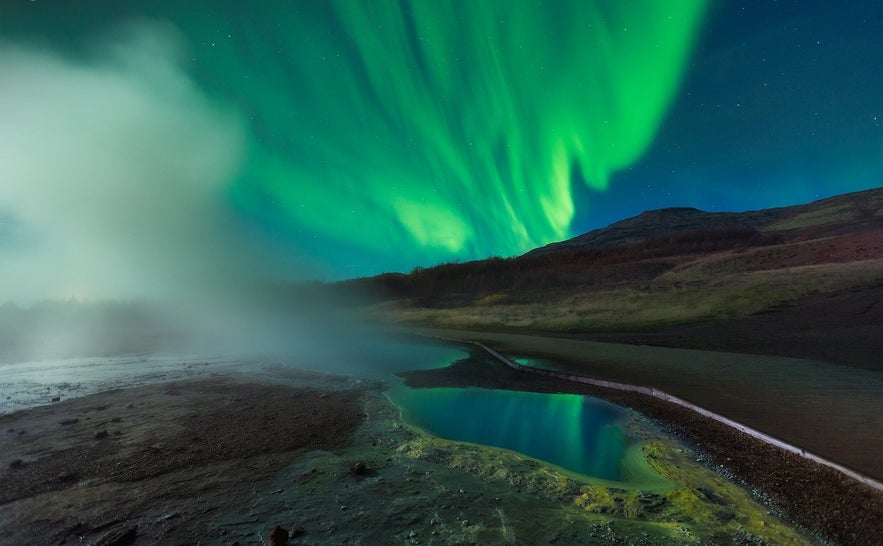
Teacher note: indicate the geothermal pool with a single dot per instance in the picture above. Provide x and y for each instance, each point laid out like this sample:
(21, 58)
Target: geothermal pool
(578, 433)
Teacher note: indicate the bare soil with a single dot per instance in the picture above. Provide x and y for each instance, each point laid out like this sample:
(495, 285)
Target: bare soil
(155, 463)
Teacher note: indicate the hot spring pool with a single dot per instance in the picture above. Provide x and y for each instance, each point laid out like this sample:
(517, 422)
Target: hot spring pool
(578, 433)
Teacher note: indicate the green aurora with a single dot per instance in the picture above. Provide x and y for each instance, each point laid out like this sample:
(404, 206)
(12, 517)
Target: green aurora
(454, 128)
(383, 134)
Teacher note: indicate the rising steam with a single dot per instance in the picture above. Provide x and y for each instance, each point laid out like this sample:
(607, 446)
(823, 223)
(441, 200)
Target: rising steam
(113, 187)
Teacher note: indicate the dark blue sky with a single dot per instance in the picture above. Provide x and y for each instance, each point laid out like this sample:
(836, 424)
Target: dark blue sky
(783, 105)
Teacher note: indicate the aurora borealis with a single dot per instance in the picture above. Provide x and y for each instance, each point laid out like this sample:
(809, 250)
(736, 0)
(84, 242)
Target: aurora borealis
(453, 128)
(354, 137)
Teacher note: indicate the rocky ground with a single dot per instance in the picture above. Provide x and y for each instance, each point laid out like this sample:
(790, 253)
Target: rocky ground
(225, 459)
(158, 463)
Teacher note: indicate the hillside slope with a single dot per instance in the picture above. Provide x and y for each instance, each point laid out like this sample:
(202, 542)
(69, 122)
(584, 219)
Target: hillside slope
(850, 210)
(802, 281)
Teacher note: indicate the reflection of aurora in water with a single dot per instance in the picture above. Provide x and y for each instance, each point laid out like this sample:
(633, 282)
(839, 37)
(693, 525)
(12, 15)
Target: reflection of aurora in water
(406, 132)
(578, 433)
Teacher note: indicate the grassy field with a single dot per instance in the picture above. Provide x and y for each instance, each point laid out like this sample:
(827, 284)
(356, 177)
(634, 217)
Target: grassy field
(655, 270)
(706, 289)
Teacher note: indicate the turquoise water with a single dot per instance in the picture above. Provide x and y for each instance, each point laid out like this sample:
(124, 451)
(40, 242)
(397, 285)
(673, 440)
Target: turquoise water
(536, 363)
(381, 357)
(424, 356)
(579, 433)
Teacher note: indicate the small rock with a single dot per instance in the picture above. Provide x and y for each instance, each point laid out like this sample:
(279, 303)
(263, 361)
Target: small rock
(278, 536)
(101, 434)
(119, 537)
(18, 463)
(359, 468)
(67, 477)
(56, 399)
(342, 507)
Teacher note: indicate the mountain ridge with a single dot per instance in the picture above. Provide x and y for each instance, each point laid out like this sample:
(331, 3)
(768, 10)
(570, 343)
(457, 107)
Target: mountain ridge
(803, 281)
(839, 209)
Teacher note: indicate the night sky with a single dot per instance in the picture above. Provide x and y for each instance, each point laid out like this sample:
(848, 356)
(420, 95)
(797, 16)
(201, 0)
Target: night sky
(336, 139)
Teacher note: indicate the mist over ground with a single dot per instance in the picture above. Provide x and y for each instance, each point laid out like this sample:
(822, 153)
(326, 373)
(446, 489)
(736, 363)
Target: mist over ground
(115, 228)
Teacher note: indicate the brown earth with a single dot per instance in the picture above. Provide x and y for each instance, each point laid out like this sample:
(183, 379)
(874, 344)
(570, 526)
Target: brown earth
(150, 463)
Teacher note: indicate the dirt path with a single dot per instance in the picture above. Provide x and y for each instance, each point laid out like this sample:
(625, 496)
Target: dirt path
(834, 411)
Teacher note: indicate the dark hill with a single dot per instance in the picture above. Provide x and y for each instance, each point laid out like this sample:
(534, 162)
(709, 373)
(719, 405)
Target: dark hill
(804, 281)
(847, 211)
(661, 222)
(641, 248)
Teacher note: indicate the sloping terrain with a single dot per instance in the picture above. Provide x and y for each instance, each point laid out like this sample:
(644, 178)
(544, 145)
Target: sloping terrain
(801, 281)
(842, 213)
(655, 223)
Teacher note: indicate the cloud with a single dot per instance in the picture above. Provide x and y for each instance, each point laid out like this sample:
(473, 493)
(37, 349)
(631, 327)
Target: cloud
(115, 169)
(114, 173)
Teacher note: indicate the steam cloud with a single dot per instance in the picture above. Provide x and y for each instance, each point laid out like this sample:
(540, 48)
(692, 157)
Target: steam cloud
(114, 173)
(115, 169)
